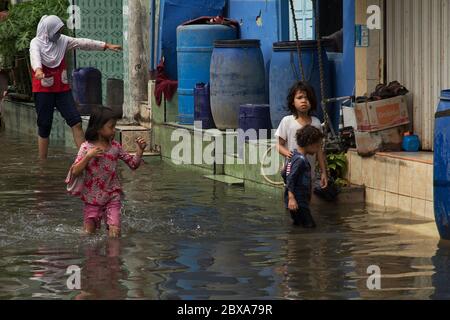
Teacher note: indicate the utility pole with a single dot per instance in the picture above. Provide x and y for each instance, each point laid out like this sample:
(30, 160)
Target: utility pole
(137, 59)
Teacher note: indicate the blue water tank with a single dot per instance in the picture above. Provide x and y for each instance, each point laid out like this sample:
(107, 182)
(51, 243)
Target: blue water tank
(237, 78)
(174, 13)
(202, 107)
(442, 166)
(195, 45)
(87, 89)
(285, 72)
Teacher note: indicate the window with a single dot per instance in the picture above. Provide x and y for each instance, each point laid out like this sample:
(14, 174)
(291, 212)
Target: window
(304, 16)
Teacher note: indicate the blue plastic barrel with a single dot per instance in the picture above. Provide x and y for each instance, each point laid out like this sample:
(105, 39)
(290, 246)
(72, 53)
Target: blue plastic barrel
(256, 117)
(285, 72)
(442, 166)
(202, 107)
(411, 143)
(194, 49)
(87, 89)
(173, 13)
(254, 124)
(237, 78)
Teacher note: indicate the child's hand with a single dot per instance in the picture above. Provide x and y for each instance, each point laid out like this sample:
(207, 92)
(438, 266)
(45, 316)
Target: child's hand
(94, 152)
(293, 205)
(141, 143)
(324, 181)
(291, 154)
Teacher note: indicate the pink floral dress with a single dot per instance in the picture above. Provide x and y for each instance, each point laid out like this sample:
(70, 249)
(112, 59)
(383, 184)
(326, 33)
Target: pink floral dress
(101, 184)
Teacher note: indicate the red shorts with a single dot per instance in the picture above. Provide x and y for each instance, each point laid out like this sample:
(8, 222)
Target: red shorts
(110, 212)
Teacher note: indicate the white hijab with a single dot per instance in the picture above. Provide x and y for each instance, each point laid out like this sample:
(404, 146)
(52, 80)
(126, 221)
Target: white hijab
(52, 53)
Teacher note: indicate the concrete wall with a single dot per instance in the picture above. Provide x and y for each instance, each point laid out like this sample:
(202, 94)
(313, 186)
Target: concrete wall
(369, 61)
(101, 20)
(402, 181)
(274, 19)
(345, 68)
(20, 118)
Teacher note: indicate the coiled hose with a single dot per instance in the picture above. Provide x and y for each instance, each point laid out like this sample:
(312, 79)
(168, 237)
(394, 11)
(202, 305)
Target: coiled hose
(262, 168)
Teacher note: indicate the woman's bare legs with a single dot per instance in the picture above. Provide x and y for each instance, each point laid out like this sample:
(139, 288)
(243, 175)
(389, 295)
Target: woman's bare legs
(78, 134)
(43, 147)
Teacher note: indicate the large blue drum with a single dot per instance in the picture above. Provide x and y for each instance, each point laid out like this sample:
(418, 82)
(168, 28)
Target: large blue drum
(442, 166)
(237, 78)
(87, 89)
(194, 49)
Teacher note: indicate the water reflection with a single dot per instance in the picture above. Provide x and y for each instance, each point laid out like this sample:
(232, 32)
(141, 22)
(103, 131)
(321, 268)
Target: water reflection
(441, 275)
(185, 237)
(102, 271)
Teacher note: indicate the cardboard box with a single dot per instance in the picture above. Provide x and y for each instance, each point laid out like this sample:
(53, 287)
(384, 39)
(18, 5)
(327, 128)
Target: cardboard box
(349, 117)
(382, 114)
(369, 143)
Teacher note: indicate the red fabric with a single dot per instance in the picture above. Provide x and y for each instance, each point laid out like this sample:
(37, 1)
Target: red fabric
(3, 15)
(58, 75)
(164, 85)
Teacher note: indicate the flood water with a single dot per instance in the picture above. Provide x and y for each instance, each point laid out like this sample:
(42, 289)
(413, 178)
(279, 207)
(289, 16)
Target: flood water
(186, 237)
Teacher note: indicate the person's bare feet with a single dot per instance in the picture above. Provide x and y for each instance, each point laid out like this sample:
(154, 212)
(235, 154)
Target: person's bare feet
(89, 227)
(114, 232)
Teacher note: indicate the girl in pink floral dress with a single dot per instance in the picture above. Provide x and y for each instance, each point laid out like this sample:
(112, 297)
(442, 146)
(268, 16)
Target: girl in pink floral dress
(97, 159)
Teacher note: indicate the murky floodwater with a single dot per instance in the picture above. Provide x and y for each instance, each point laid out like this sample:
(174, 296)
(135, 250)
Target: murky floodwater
(185, 237)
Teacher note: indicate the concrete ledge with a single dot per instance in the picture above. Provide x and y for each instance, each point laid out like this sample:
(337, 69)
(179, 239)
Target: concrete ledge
(402, 181)
(226, 179)
(20, 117)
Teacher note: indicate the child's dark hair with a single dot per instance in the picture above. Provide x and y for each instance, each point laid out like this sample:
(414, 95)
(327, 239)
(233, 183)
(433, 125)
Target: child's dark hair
(100, 115)
(308, 135)
(310, 94)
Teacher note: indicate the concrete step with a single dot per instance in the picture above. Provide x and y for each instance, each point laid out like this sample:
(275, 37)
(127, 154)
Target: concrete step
(226, 179)
(127, 134)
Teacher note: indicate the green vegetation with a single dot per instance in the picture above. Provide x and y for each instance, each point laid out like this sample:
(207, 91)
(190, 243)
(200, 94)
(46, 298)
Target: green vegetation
(19, 28)
(337, 166)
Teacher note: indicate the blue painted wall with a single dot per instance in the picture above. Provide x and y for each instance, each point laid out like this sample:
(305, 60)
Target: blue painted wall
(172, 14)
(272, 14)
(345, 75)
(343, 64)
(269, 31)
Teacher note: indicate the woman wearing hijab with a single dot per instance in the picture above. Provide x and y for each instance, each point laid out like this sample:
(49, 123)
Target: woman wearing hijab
(50, 83)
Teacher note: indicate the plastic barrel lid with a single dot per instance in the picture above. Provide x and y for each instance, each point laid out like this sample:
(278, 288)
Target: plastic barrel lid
(306, 44)
(249, 43)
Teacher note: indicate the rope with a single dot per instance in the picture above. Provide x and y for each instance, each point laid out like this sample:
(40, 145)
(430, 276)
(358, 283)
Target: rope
(321, 70)
(297, 38)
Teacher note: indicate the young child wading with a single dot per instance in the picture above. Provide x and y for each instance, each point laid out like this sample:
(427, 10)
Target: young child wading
(97, 160)
(297, 176)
